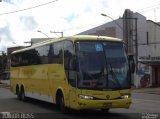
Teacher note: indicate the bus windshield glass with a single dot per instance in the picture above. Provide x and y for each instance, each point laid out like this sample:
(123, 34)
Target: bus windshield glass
(102, 65)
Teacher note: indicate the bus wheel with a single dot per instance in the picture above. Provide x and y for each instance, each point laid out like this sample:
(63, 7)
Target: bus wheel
(22, 94)
(60, 102)
(105, 110)
(18, 92)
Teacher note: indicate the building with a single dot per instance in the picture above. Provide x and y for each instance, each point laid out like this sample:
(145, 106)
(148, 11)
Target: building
(149, 51)
(143, 41)
(37, 40)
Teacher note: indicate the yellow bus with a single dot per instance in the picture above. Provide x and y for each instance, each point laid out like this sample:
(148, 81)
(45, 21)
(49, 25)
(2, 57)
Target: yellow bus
(77, 72)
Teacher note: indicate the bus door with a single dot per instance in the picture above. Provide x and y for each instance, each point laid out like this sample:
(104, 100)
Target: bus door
(70, 71)
(72, 79)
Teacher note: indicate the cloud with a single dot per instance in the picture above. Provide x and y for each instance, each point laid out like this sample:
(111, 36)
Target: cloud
(5, 33)
(28, 23)
(5, 36)
(14, 27)
(69, 16)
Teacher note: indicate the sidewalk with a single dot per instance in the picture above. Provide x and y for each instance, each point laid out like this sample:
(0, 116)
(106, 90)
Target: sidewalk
(147, 90)
(4, 83)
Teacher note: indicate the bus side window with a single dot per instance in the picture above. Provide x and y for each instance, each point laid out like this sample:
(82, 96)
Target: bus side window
(68, 62)
(68, 53)
(50, 54)
(14, 60)
(57, 47)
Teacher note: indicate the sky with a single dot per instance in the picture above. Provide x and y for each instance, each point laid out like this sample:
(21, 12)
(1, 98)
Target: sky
(20, 20)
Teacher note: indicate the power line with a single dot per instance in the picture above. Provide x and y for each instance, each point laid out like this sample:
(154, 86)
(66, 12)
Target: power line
(156, 6)
(29, 8)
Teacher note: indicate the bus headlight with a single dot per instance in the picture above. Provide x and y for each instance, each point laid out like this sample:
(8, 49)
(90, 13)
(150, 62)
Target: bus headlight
(125, 96)
(85, 97)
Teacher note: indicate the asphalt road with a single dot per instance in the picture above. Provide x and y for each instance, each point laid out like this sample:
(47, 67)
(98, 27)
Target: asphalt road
(143, 105)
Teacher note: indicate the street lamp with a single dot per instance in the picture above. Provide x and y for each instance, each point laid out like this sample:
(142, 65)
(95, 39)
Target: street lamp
(112, 20)
(43, 33)
(57, 32)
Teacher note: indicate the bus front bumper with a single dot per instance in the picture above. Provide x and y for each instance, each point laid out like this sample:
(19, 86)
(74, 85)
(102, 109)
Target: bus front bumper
(103, 104)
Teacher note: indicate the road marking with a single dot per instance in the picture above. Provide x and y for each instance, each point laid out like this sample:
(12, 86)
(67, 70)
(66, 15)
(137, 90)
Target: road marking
(146, 100)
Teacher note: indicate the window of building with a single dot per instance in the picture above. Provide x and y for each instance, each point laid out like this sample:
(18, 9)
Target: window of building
(147, 38)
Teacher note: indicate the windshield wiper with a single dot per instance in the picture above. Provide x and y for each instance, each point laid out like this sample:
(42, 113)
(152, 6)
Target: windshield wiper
(114, 75)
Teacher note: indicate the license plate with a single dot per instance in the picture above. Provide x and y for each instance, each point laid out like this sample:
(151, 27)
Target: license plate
(107, 105)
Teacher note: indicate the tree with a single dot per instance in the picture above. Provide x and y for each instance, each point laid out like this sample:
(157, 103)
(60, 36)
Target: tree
(3, 63)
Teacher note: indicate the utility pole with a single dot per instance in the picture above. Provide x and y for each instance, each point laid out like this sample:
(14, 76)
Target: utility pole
(136, 38)
(136, 43)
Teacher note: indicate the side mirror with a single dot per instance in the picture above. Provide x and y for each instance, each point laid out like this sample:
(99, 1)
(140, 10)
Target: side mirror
(131, 63)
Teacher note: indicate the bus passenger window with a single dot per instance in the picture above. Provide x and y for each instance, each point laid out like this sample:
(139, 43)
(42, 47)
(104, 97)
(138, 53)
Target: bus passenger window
(68, 53)
(57, 58)
(50, 54)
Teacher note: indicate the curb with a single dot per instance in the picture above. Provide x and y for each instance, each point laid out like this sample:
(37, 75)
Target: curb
(3, 85)
(147, 90)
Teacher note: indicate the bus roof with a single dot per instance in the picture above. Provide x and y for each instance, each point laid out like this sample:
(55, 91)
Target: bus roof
(73, 38)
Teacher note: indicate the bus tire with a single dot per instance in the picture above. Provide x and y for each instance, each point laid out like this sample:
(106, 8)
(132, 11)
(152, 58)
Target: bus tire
(22, 94)
(105, 110)
(60, 103)
(18, 92)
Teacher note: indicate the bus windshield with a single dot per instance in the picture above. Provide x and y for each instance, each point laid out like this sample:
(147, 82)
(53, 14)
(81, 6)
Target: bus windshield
(102, 65)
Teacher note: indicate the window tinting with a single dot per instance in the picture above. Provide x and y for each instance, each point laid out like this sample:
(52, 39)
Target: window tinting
(47, 54)
(57, 52)
(68, 62)
(43, 54)
(68, 53)
(50, 54)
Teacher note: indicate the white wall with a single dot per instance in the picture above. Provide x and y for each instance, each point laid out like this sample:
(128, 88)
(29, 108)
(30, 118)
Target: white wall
(119, 29)
(150, 51)
(154, 38)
